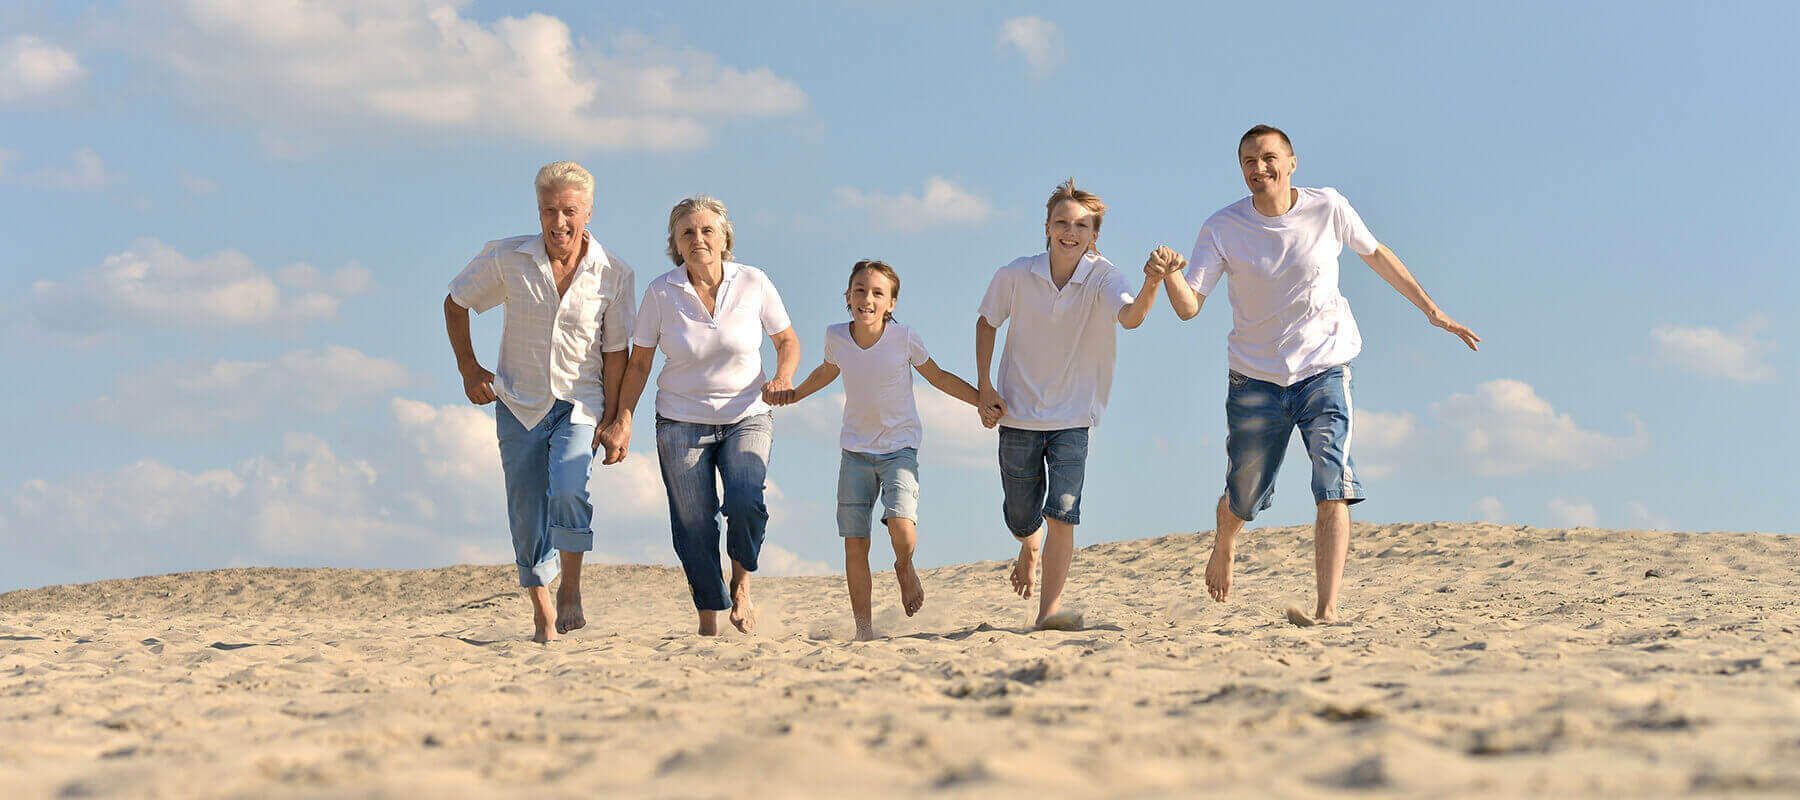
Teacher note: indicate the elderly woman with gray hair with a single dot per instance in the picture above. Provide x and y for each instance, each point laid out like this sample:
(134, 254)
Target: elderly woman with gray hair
(708, 315)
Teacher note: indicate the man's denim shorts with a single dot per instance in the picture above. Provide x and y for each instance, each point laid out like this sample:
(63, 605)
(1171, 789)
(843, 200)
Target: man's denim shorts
(894, 477)
(1259, 418)
(1041, 473)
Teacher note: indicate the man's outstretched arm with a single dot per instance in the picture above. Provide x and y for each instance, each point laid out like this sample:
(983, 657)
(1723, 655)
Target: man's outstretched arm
(1392, 270)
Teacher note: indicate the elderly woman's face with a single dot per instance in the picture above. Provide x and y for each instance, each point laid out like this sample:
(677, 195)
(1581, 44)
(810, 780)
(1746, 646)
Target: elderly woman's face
(564, 213)
(700, 237)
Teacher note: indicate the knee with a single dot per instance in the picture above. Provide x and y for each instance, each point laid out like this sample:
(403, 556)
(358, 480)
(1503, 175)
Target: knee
(740, 500)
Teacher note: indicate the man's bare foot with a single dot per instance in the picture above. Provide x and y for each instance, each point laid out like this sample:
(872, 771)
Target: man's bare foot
(743, 612)
(1060, 621)
(543, 614)
(709, 623)
(1301, 619)
(1218, 569)
(912, 591)
(568, 610)
(1024, 572)
(865, 630)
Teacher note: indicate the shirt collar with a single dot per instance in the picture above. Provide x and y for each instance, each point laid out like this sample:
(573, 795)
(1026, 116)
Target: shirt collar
(679, 275)
(1041, 267)
(595, 258)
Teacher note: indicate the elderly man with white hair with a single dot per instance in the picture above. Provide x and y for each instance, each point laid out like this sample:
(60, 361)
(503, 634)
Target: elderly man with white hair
(562, 354)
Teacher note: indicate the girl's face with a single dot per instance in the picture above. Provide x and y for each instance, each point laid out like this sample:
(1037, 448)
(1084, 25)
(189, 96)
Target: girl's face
(871, 298)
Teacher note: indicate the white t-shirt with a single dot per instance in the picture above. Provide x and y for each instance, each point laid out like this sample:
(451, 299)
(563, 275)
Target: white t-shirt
(712, 372)
(550, 345)
(1288, 321)
(1056, 370)
(879, 414)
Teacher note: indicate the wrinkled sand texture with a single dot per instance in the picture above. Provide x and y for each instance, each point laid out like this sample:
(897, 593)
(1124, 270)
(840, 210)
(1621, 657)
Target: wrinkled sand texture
(1478, 660)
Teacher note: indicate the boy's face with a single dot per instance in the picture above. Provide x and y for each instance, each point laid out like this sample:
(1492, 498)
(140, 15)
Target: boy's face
(1267, 163)
(1070, 229)
(871, 298)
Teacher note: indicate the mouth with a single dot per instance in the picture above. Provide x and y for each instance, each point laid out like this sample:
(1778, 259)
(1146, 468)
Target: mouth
(1067, 243)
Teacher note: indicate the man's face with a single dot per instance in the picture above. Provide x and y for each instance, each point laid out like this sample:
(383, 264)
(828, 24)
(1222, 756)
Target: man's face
(1267, 163)
(564, 213)
(1070, 229)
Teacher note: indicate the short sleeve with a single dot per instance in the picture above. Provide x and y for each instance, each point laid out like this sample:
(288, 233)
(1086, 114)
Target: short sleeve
(915, 348)
(996, 305)
(1350, 228)
(774, 314)
(831, 345)
(646, 331)
(479, 286)
(1115, 291)
(616, 323)
(1206, 264)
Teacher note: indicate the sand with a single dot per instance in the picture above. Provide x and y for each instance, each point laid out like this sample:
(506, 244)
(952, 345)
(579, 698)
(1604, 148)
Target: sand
(1477, 660)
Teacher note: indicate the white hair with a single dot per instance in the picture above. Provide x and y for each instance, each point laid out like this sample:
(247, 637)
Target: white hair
(565, 174)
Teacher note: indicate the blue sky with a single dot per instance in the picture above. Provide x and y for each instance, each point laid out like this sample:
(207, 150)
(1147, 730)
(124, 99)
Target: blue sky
(228, 228)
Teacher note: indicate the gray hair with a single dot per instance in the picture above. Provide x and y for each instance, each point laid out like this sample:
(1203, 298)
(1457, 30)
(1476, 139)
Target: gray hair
(699, 202)
(566, 174)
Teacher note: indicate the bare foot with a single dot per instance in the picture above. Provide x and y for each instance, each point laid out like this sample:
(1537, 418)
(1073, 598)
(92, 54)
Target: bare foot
(709, 623)
(912, 591)
(568, 610)
(1302, 619)
(865, 631)
(543, 615)
(1061, 621)
(743, 612)
(1218, 569)
(1024, 572)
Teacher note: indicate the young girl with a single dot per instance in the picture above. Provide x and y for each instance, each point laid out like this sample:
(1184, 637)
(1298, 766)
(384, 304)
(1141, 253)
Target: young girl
(881, 433)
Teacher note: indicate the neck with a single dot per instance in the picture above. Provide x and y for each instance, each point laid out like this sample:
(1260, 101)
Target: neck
(706, 274)
(1062, 264)
(1275, 203)
(573, 256)
(870, 331)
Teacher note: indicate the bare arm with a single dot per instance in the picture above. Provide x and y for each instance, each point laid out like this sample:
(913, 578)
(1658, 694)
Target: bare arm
(948, 383)
(821, 377)
(616, 434)
(612, 375)
(990, 405)
(1182, 297)
(1394, 271)
(787, 362)
(478, 383)
(1133, 315)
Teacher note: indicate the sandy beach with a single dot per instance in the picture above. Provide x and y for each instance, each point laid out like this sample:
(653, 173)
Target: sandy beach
(1477, 660)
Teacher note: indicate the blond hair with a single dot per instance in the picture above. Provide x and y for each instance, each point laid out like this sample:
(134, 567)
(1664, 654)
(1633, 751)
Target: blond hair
(1088, 200)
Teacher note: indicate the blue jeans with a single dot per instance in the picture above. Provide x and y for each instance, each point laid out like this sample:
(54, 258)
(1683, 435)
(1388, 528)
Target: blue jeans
(695, 458)
(1259, 418)
(1041, 473)
(546, 489)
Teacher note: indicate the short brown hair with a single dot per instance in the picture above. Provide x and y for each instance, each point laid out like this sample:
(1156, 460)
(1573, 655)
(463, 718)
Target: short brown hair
(872, 265)
(1088, 200)
(699, 202)
(1264, 130)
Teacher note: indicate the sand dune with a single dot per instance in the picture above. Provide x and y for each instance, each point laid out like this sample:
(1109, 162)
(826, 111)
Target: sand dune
(1478, 660)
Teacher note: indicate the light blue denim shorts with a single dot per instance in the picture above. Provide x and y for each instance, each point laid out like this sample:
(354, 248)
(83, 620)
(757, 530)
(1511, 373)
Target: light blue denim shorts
(1259, 418)
(864, 477)
(1041, 474)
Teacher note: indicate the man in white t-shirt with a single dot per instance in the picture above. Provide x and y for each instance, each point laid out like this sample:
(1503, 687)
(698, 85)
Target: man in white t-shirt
(1292, 340)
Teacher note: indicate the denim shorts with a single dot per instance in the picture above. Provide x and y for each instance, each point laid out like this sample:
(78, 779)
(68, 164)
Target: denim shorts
(862, 477)
(1041, 473)
(1259, 418)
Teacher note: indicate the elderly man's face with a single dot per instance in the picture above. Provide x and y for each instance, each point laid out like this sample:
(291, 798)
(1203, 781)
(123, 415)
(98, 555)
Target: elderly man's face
(564, 213)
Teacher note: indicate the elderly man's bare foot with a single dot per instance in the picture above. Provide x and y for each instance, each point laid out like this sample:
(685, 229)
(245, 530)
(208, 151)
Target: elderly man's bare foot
(568, 610)
(1060, 621)
(912, 591)
(1300, 618)
(743, 612)
(543, 613)
(1218, 569)
(1024, 571)
(865, 630)
(709, 623)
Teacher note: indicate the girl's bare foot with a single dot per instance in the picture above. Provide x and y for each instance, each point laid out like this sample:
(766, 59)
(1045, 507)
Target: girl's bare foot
(912, 591)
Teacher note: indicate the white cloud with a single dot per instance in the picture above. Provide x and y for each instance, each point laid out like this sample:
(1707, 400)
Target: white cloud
(1038, 41)
(778, 561)
(1507, 429)
(84, 172)
(941, 203)
(193, 398)
(1572, 513)
(152, 283)
(1736, 356)
(1378, 439)
(32, 67)
(1489, 509)
(1643, 517)
(421, 66)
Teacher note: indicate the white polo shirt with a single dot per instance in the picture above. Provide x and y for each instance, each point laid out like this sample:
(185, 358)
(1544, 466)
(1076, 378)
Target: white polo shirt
(1288, 321)
(550, 345)
(1057, 367)
(879, 413)
(712, 369)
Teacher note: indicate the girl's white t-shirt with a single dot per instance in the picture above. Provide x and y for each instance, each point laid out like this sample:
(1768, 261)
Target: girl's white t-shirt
(712, 372)
(879, 413)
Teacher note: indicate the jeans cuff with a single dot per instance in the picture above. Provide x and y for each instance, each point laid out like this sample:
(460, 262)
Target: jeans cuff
(542, 574)
(570, 540)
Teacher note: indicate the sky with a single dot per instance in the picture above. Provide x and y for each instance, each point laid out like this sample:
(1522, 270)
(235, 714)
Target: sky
(226, 230)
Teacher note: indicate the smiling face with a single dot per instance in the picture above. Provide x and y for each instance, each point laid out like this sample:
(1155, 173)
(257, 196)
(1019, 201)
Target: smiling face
(563, 213)
(700, 239)
(871, 298)
(1268, 164)
(1071, 229)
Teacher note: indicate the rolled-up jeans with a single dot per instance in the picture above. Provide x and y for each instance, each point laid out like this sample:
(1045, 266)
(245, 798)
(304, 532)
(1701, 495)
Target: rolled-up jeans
(547, 469)
(696, 458)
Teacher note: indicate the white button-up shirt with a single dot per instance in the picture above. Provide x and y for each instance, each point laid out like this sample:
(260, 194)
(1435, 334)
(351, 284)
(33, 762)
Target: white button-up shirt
(550, 346)
(712, 372)
(1057, 368)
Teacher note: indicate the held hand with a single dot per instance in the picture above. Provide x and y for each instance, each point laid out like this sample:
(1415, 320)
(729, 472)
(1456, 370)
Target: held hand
(615, 438)
(1156, 266)
(992, 408)
(778, 392)
(478, 385)
(1468, 337)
